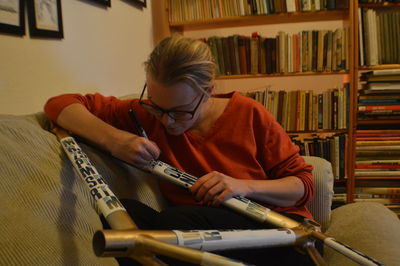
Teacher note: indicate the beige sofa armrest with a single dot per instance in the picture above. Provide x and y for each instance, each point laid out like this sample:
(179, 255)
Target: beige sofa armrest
(368, 227)
(320, 205)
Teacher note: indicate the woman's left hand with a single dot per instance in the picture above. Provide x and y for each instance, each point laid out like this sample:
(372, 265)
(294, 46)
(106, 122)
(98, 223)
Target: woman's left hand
(214, 188)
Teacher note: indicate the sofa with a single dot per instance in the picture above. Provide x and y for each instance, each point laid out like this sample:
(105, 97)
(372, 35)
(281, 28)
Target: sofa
(48, 217)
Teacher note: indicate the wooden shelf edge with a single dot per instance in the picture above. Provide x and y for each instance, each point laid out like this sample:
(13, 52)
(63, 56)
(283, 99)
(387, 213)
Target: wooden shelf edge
(241, 21)
(377, 177)
(382, 5)
(379, 122)
(275, 75)
(373, 131)
(333, 131)
(379, 67)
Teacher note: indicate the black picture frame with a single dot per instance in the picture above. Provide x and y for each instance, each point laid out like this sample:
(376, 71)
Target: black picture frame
(45, 18)
(103, 2)
(142, 3)
(12, 17)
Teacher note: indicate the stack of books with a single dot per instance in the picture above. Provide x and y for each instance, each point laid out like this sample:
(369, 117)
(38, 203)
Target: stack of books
(306, 110)
(307, 51)
(378, 154)
(379, 36)
(379, 99)
(331, 148)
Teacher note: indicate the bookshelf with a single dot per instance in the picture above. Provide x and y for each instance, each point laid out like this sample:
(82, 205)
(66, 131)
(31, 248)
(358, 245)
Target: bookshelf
(378, 172)
(240, 21)
(203, 28)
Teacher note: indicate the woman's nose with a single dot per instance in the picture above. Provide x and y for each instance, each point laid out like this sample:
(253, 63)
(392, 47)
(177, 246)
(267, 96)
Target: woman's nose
(166, 119)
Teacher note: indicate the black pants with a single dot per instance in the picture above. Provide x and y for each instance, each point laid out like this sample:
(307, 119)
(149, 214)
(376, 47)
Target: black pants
(207, 218)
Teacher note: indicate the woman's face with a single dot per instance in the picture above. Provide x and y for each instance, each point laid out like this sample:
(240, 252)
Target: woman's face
(176, 99)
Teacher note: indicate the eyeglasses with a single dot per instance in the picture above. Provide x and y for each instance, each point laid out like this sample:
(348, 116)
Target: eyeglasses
(174, 114)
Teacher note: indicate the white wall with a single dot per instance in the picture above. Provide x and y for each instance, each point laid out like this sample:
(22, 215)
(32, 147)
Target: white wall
(103, 50)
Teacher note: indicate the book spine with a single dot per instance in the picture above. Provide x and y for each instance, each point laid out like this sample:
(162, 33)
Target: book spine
(378, 107)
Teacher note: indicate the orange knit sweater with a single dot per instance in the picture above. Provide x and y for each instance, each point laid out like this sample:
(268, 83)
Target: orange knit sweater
(245, 142)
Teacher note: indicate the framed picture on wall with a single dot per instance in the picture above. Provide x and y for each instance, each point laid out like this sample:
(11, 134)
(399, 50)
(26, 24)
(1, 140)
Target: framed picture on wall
(103, 2)
(45, 18)
(12, 19)
(140, 2)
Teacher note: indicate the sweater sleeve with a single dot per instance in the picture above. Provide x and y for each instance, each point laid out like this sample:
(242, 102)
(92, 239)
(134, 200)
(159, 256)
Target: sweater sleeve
(110, 109)
(281, 159)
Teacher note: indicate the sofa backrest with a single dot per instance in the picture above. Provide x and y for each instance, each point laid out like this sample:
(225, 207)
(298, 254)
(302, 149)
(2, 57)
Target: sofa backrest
(320, 205)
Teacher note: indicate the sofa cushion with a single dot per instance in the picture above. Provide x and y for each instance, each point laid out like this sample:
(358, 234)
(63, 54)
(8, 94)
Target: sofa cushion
(47, 215)
(370, 228)
(48, 218)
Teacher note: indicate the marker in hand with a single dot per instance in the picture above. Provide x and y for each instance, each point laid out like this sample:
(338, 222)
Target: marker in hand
(142, 133)
(137, 123)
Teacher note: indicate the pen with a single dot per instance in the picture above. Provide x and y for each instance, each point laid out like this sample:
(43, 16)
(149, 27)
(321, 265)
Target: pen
(136, 121)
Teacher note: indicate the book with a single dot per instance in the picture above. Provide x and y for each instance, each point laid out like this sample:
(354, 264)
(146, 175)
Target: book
(381, 101)
(377, 173)
(395, 96)
(387, 154)
(378, 148)
(232, 54)
(362, 108)
(378, 190)
(378, 161)
(254, 52)
(377, 166)
(380, 78)
(242, 54)
(262, 57)
(381, 142)
(227, 56)
(383, 86)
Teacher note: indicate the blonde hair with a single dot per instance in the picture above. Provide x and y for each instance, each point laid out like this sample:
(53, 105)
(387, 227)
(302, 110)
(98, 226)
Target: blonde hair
(180, 59)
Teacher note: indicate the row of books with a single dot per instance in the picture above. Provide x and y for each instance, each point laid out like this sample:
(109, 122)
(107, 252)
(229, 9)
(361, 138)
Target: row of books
(332, 148)
(379, 36)
(377, 154)
(379, 97)
(317, 51)
(190, 10)
(306, 110)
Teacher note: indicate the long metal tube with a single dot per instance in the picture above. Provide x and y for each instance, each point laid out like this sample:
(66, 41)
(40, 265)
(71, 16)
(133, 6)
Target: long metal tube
(261, 213)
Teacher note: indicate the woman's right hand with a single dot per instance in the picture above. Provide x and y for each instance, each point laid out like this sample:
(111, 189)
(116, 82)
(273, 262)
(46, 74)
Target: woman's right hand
(133, 149)
(122, 144)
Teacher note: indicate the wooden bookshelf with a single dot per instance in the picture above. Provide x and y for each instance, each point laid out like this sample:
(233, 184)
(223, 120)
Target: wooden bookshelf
(384, 124)
(243, 21)
(282, 75)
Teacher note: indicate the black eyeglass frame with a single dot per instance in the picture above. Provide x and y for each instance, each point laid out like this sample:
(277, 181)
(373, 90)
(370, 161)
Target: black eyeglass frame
(168, 112)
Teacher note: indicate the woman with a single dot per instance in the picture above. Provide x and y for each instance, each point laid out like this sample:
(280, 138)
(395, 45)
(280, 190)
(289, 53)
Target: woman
(230, 141)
